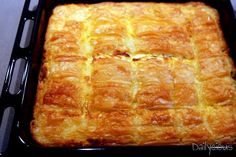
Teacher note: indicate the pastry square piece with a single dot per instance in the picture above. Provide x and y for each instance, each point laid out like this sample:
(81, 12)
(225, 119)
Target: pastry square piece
(135, 74)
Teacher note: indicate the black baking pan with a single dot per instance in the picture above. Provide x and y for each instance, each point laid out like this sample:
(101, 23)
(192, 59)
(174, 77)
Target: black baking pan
(16, 110)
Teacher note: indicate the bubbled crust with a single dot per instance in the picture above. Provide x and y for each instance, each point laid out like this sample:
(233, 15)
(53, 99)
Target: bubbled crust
(135, 74)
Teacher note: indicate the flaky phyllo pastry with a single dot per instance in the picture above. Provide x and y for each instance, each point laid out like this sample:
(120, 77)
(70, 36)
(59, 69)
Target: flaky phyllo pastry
(135, 74)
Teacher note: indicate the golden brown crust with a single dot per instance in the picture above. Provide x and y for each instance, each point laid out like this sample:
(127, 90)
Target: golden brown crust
(218, 91)
(135, 74)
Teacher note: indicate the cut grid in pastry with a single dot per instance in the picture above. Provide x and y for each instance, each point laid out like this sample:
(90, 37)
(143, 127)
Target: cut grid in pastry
(140, 74)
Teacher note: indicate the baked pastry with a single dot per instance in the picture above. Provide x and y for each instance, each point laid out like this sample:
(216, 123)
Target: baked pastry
(135, 74)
